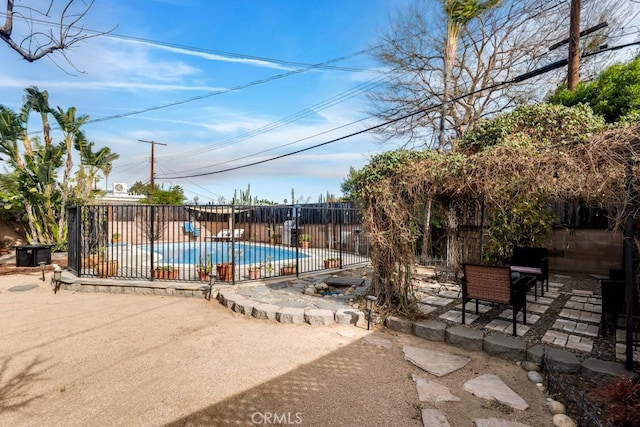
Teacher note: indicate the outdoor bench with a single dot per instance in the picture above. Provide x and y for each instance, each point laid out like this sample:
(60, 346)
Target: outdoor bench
(495, 284)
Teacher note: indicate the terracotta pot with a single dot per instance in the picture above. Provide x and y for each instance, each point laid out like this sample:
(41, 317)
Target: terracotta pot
(4, 251)
(254, 273)
(304, 245)
(225, 271)
(204, 275)
(106, 268)
(284, 271)
(166, 274)
(331, 263)
(89, 261)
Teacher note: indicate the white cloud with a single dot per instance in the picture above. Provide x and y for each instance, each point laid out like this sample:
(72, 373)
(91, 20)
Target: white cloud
(209, 56)
(97, 85)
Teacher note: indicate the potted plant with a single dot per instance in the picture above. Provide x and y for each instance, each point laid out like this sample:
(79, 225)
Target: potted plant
(225, 271)
(165, 272)
(287, 269)
(254, 272)
(332, 263)
(4, 246)
(268, 266)
(274, 238)
(116, 238)
(105, 268)
(205, 268)
(90, 260)
(304, 240)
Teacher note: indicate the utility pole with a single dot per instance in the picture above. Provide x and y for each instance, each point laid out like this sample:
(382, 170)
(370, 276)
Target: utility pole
(151, 183)
(573, 74)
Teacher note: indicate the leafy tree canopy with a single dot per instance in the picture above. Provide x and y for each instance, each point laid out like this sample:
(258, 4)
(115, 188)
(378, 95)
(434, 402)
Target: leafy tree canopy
(362, 183)
(140, 188)
(543, 124)
(173, 196)
(614, 95)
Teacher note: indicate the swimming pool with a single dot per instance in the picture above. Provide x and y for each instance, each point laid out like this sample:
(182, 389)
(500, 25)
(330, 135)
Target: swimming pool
(217, 252)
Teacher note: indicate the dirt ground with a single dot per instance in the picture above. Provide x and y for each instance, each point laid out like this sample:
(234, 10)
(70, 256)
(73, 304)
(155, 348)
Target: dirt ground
(78, 359)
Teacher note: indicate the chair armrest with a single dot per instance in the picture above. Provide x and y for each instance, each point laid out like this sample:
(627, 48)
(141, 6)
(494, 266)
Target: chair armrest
(522, 282)
(519, 288)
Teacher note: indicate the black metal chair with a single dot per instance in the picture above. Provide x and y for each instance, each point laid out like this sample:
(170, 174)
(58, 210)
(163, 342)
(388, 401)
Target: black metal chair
(495, 284)
(613, 294)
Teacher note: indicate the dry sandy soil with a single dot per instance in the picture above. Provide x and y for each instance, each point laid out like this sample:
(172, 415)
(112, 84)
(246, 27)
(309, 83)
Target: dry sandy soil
(130, 360)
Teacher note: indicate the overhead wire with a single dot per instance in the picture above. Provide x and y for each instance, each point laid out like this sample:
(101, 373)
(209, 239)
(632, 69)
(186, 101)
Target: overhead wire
(220, 92)
(348, 94)
(191, 182)
(516, 79)
(160, 43)
(341, 97)
(280, 146)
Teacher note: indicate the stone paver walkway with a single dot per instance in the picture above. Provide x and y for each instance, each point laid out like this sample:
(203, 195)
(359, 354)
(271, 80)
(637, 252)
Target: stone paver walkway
(486, 386)
(577, 323)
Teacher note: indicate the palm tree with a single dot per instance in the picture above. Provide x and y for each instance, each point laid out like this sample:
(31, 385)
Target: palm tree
(106, 170)
(459, 13)
(70, 126)
(36, 165)
(37, 101)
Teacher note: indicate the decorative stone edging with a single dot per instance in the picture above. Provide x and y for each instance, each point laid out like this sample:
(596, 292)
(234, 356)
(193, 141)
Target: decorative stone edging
(136, 288)
(290, 315)
(505, 347)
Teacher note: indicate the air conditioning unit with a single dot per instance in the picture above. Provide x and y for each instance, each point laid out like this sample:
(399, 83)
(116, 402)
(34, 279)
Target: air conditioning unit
(120, 188)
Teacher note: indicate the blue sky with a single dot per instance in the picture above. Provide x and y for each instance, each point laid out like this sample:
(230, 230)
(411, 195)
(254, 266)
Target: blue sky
(168, 51)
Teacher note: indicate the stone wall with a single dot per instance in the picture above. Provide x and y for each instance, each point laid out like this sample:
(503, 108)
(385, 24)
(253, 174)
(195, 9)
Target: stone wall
(586, 251)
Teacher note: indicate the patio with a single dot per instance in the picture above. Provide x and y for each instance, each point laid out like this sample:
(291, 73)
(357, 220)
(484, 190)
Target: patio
(566, 317)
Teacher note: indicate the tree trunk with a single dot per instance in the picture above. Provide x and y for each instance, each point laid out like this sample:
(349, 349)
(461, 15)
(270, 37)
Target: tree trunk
(453, 260)
(426, 235)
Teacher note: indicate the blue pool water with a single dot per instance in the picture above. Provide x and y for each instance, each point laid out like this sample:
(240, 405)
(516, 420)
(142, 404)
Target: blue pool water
(216, 252)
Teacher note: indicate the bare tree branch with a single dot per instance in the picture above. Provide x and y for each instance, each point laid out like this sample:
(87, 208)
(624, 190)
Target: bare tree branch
(35, 44)
(496, 47)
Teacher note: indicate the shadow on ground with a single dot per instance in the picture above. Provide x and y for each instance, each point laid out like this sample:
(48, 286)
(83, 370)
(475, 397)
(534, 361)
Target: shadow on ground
(14, 388)
(338, 382)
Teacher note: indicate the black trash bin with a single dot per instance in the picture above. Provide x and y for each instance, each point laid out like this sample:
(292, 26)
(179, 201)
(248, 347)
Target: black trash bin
(32, 255)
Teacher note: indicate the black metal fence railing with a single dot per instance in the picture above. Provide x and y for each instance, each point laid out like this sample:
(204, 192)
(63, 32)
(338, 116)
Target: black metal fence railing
(586, 412)
(235, 243)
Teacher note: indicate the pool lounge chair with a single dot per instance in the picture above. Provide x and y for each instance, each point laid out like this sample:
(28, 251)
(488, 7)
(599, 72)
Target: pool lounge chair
(226, 236)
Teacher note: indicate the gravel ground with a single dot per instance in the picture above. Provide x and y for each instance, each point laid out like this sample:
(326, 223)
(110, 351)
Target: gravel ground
(80, 359)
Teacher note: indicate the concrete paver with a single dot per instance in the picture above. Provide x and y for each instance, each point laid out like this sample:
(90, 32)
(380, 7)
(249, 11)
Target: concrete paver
(435, 362)
(491, 387)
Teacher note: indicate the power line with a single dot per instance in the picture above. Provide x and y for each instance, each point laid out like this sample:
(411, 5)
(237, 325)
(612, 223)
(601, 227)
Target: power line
(233, 89)
(348, 94)
(516, 79)
(231, 54)
(184, 47)
(274, 148)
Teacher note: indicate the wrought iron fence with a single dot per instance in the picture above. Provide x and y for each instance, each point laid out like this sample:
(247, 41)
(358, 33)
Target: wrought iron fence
(236, 243)
(587, 412)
